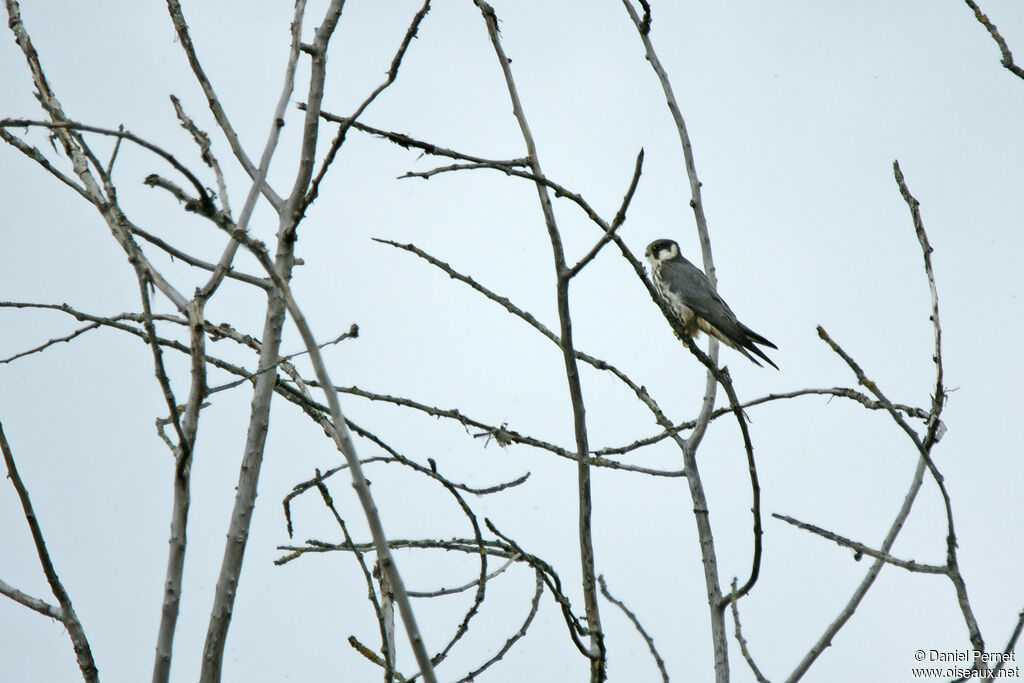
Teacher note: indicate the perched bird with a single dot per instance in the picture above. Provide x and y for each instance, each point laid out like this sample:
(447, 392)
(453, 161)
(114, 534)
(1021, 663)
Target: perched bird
(697, 306)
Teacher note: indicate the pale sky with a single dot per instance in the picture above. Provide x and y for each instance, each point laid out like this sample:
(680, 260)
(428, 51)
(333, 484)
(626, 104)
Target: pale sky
(796, 112)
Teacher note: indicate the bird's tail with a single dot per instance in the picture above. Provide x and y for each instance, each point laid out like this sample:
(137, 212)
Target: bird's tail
(756, 338)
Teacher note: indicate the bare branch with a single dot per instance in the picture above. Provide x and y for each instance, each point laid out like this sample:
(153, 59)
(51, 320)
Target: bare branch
(924, 462)
(202, 140)
(67, 612)
(842, 392)
(872, 387)
(620, 218)
(462, 545)
(741, 640)
(375, 658)
(860, 549)
(708, 554)
(597, 654)
(280, 362)
(636, 623)
(340, 433)
(502, 433)
(159, 370)
(697, 204)
(1007, 60)
(178, 19)
(48, 344)
(1012, 642)
(339, 139)
(452, 490)
(291, 212)
(406, 142)
(35, 155)
(262, 283)
(41, 606)
(510, 168)
(154, 180)
(464, 587)
(935, 426)
(939, 396)
(388, 662)
(187, 430)
(431, 472)
(204, 197)
(65, 131)
(505, 303)
(280, 273)
(826, 638)
(534, 604)
(113, 155)
(554, 584)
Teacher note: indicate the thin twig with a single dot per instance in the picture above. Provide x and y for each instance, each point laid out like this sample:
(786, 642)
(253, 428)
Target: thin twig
(637, 625)
(841, 392)
(1007, 60)
(939, 394)
(406, 142)
(388, 662)
(35, 155)
(352, 333)
(744, 650)
(49, 343)
(262, 283)
(620, 218)
(861, 549)
(276, 124)
(1011, 644)
(534, 604)
(202, 140)
(462, 545)
(113, 154)
(464, 587)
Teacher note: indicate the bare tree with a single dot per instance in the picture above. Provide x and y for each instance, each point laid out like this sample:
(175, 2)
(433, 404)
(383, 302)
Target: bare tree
(171, 322)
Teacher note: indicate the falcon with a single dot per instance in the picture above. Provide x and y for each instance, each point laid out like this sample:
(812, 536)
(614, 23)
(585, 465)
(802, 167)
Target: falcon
(696, 305)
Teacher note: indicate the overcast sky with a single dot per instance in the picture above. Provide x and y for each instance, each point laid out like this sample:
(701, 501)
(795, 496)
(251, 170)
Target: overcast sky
(796, 112)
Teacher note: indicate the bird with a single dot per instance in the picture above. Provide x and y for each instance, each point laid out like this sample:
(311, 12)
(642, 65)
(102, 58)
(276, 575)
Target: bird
(696, 305)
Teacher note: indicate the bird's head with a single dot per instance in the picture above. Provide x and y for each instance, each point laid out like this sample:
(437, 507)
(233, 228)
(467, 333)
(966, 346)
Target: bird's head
(660, 251)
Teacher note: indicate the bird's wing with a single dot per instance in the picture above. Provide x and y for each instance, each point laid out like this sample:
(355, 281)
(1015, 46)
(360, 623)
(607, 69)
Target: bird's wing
(687, 282)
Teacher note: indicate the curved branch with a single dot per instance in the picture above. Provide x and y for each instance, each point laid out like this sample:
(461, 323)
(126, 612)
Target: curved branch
(67, 616)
